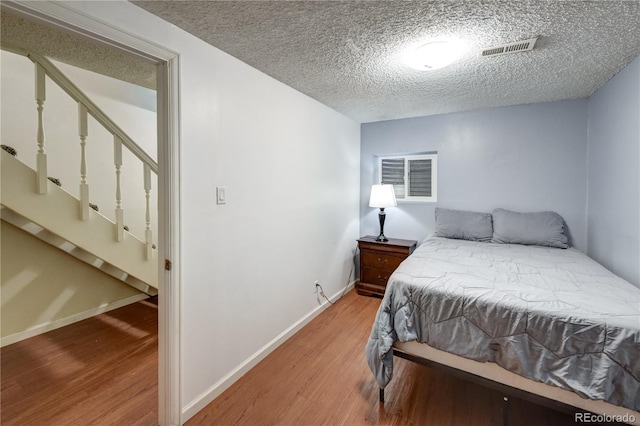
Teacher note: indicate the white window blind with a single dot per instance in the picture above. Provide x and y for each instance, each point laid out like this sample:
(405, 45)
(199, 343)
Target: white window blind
(420, 178)
(413, 177)
(392, 172)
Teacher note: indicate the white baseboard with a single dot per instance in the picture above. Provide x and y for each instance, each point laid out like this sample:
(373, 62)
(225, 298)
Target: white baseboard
(223, 384)
(52, 325)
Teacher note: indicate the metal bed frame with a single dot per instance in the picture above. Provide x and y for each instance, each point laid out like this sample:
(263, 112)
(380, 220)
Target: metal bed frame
(506, 390)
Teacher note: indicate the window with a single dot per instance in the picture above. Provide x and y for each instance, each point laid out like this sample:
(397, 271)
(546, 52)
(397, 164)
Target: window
(414, 177)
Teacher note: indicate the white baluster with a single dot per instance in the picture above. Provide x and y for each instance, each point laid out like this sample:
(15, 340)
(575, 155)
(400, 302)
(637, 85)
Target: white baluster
(147, 192)
(117, 160)
(84, 186)
(41, 156)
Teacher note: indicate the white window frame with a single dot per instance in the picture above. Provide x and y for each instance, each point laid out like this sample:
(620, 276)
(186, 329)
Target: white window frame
(434, 175)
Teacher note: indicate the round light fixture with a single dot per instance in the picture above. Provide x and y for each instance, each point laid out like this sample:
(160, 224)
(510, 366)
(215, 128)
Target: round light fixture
(434, 55)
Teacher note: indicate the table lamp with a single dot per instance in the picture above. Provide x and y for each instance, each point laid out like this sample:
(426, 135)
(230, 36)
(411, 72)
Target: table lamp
(382, 196)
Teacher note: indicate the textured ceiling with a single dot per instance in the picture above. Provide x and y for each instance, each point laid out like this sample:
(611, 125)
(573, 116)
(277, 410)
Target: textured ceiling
(347, 54)
(73, 49)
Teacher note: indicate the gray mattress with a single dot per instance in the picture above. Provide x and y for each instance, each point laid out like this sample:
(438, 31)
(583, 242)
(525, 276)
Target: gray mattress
(548, 314)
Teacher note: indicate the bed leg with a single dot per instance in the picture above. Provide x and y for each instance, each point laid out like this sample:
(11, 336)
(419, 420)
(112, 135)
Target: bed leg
(382, 395)
(505, 411)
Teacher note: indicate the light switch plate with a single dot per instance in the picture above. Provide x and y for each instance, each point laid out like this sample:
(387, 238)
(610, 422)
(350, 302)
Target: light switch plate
(221, 195)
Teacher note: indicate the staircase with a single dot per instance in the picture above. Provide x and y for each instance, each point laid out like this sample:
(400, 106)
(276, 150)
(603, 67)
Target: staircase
(39, 206)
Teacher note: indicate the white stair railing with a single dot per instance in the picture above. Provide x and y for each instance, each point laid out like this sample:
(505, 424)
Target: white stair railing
(41, 156)
(86, 108)
(83, 132)
(147, 232)
(117, 160)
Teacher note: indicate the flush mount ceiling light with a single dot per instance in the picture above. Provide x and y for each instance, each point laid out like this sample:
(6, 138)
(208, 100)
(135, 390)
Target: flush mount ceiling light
(434, 55)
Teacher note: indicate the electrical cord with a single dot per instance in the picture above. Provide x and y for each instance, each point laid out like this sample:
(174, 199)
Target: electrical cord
(353, 268)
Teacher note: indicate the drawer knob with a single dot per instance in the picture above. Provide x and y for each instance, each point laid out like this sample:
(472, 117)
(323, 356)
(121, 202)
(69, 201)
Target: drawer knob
(383, 260)
(381, 278)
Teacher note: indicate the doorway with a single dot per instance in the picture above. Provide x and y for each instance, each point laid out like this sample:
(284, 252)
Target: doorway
(166, 64)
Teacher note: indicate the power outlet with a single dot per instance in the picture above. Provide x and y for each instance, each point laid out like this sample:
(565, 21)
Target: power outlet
(319, 288)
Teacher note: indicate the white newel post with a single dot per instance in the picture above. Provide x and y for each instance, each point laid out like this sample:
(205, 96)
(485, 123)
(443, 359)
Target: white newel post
(41, 156)
(117, 159)
(84, 187)
(147, 192)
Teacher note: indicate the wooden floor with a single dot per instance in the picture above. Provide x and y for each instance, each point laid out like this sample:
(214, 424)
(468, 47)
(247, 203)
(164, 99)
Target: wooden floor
(320, 377)
(100, 371)
(103, 371)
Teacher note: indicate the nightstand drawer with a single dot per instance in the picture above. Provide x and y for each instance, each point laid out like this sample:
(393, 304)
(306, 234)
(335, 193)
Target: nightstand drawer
(381, 260)
(378, 260)
(375, 276)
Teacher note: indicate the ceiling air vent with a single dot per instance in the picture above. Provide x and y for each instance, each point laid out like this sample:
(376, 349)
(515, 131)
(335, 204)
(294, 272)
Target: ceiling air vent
(516, 46)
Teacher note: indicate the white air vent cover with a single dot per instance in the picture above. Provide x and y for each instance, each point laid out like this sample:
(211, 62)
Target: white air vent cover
(516, 46)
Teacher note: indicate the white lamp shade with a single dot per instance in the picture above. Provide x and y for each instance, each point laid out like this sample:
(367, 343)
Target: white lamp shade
(382, 196)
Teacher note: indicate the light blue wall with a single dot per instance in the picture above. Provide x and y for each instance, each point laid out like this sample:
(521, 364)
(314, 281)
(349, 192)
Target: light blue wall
(614, 174)
(524, 158)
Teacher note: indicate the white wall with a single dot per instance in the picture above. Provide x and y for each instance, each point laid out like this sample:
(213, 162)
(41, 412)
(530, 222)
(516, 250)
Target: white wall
(291, 169)
(523, 158)
(132, 107)
(45, 288)
(614, 174)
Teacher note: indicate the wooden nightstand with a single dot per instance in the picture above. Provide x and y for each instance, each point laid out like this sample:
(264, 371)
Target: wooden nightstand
(378, 260)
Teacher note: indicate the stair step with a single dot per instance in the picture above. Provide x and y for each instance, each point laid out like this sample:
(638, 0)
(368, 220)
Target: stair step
(10, 150)
(54, 217)
(45, 235)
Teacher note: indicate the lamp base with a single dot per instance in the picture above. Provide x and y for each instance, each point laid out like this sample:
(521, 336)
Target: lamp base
(381, 216)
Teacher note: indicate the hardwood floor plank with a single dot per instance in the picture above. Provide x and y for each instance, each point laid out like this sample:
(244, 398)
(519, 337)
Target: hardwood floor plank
(102, 370)
(320, 377)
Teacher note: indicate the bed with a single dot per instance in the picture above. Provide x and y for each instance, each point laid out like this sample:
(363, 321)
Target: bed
(540, 319)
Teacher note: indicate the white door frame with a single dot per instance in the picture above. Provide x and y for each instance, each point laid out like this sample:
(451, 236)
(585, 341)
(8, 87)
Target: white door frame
(168, 119)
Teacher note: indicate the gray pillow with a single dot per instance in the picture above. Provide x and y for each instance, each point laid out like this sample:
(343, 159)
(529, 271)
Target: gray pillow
(463, 225)
(538, 228)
